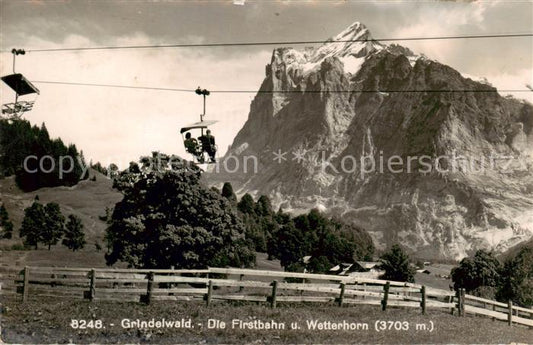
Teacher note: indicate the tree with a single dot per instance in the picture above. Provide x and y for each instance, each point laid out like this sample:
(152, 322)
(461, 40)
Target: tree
(227, 192)
(263, 206)
(54, 225)
(516, 282)
(480, 271)
(112, 170)
(169, 218)
(247, 204)
(6, 226)
(291, 245)
(32, 224)
(396, 264)
(74, 236)
(259, 220)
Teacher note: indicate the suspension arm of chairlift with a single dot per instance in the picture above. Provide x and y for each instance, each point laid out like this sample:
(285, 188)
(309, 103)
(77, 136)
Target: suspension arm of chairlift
(204, 93)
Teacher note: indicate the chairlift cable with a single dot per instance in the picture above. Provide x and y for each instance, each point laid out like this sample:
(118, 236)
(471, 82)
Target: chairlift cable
(278, 43)
(275, 91)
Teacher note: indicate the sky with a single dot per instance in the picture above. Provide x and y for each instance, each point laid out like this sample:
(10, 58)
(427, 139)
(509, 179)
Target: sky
(119, 125)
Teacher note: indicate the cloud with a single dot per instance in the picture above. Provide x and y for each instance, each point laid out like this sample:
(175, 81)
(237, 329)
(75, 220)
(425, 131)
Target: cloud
(512, 81)
(505, 63)
(443, 20)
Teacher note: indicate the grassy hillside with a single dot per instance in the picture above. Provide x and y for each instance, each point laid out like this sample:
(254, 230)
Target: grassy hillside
(87, 200)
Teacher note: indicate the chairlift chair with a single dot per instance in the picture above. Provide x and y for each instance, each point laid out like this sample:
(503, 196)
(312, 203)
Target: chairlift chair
(198, 128)
(22, 87)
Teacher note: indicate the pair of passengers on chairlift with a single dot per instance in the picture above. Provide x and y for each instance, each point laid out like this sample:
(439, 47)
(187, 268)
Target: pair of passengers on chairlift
(205, 143)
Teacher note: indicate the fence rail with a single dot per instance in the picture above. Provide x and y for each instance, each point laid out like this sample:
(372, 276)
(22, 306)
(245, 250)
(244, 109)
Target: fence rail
(269, 287)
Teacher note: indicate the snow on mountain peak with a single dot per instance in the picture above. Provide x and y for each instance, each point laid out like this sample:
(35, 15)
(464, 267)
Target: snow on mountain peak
(352, 46)
(355, 41)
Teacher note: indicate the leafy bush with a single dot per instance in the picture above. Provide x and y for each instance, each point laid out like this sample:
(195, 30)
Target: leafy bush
(18, 246)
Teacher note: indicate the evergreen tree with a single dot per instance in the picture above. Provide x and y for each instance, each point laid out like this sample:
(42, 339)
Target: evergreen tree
(54, 225)
(6, 226)
(227, 192)
(263, 207)
(247, 204)
(32, 224)
(396, 264)
(74, 236)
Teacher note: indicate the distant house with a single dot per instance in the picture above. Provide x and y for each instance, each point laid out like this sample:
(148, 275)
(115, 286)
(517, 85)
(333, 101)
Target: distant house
(368, 269)
(341, 269)
(367, 266)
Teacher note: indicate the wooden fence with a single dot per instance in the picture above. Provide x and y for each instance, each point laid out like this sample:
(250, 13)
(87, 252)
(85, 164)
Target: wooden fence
(270, 287)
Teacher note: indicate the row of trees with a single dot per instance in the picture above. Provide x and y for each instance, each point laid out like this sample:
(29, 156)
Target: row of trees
(46, 224)
(20, 140)
(326, 240)
(111, 171)
(483, 274)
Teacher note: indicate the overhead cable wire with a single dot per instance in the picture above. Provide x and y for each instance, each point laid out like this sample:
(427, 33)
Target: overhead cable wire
(278, 43)
(278, 91)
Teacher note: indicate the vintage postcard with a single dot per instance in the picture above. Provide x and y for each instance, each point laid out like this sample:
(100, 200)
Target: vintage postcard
(266, 172)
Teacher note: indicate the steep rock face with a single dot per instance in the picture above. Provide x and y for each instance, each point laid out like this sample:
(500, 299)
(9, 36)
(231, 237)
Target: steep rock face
(345, 110)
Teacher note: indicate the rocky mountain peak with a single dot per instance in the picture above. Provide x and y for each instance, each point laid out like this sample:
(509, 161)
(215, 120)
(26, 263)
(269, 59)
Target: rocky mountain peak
(324, 108)
(355, 41)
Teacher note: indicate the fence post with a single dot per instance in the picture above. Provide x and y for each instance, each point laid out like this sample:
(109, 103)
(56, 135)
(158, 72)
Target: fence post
(341, 296)
(461, 302)
(458, 295)
(385, 296)
(92, 286)
(240, 279)
(510, 313)
(209, 293)
(274, 291)
(26, 286)
(149, 289)
(451, 301)
(493, 309)
(423, 302)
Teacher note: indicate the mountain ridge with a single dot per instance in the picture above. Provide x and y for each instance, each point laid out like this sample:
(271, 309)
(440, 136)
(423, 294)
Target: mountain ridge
(395, 104)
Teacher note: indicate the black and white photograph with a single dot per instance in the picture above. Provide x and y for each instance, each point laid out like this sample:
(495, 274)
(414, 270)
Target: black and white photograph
(266, 172)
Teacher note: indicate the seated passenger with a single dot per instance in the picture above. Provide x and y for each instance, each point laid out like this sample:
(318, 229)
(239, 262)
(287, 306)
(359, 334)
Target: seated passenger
(191, 146)
(208, 145)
